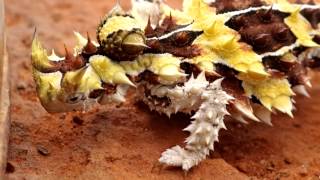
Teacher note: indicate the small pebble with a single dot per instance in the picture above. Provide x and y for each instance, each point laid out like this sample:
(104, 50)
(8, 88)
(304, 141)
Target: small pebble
(270, 166)
(282, 175)
(297, 125)
(21, 86)
(77, 120)
(63, 116)
(43, 151)
(303, 171)
(10, 168)
(243, 167)
(287, 161)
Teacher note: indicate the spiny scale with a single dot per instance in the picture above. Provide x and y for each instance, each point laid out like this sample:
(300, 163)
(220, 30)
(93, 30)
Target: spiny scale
(264, 30)
(90, 48)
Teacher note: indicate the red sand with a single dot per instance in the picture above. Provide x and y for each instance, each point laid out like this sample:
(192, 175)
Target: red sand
(125, 142)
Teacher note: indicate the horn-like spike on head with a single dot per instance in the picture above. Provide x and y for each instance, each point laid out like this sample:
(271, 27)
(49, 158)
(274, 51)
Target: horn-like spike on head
(89, 48)
(39, 56)
(69, 56)
(149, 31)
(83, 45)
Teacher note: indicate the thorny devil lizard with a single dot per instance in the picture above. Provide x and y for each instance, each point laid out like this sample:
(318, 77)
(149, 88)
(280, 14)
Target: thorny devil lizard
(242, 58)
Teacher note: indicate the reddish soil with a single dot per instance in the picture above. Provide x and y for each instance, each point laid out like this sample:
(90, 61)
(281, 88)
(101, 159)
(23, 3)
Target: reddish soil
(125, 142)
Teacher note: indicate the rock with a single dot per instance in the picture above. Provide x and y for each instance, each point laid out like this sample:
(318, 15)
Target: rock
(77, 120)
(303, 171)
(270, 166)
(10, 168)
(243, 167)
(43, 150)
(296, 125)
(21, 85)
(287, 161)
(282, 175)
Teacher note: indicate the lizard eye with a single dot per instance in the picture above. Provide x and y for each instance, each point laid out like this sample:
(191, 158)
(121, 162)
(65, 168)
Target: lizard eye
(75, 98)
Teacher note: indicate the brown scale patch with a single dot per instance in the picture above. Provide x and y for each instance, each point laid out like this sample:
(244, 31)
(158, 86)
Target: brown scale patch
(294, 71)
(313, 16)
(224, 6)
(71, 63)
(107, 89)
(225, 71)
(178, 44)
(158, 47)
(147, 76)
(89, 50)
(313, 62)
(316, 39)
(190, 69)
(264, 30)
(233, 87)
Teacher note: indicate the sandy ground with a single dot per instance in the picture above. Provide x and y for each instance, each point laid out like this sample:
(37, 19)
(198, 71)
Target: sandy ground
(125, 143)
